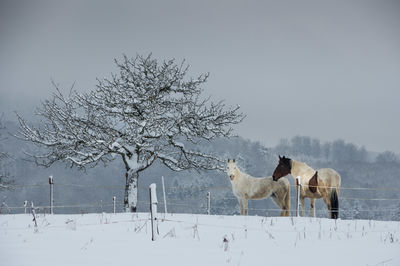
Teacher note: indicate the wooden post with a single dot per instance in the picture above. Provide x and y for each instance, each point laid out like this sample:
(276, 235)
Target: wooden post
(298, 186)
(208, 203)
(114, 199)
(153, 211)
(51, 182)
(165, 200)
(25, 205)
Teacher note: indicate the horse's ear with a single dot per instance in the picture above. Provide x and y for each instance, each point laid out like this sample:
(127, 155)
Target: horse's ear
(233, 160)
(279, 157)
(228, 160)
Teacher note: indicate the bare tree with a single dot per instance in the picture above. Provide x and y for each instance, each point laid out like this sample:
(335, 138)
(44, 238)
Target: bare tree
(5, 182)
(4, 175)
(141, 114)
(387, 157)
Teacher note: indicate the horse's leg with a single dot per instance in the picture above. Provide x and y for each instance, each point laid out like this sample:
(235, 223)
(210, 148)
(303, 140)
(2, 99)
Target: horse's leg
(277, 198)
(312, 205)
(301, 205)
(241, 205)
(280, 199)
(245, 206)
(327, 201)
(287, 202)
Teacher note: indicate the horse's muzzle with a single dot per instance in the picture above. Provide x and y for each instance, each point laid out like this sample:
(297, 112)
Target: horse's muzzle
(274, 178)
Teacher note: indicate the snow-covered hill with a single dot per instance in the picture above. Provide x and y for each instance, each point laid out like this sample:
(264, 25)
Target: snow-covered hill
(185, 239)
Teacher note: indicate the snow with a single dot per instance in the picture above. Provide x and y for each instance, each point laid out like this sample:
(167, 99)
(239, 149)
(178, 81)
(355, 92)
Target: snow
(188, 239)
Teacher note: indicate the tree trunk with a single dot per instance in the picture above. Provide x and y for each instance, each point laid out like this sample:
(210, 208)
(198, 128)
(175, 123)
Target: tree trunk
(131, 190)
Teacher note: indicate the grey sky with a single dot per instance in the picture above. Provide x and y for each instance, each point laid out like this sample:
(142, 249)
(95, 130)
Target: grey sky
(326, 69)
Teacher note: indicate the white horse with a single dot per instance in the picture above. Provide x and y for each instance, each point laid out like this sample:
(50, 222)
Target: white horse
(246, 187)
(324, 183)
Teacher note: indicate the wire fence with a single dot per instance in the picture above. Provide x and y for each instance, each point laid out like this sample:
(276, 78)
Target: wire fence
(180, 199)
(209, 188)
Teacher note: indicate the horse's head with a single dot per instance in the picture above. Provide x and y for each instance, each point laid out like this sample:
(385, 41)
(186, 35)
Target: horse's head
(231, 169)
(283, 169)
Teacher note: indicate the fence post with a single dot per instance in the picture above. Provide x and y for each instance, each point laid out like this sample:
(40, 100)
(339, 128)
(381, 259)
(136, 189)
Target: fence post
(25, 205)
(165, 200)
(51, 182)
(298, 186)
(208, 203)
(114, 199)
(153, 211)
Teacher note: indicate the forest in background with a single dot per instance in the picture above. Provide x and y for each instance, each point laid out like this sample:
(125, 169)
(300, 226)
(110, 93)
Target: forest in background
(370, 181)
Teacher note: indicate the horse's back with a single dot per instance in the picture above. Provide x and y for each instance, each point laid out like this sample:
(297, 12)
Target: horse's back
(329, 177)
(259, 187)
(250, 187)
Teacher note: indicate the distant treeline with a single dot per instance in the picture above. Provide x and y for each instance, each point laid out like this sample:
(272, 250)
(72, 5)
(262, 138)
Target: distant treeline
(335, 151)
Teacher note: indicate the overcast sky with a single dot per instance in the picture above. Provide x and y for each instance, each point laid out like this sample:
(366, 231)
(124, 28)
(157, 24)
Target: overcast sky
(325, 69)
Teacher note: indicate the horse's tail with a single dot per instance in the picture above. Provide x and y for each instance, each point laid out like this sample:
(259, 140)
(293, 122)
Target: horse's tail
(334, 204)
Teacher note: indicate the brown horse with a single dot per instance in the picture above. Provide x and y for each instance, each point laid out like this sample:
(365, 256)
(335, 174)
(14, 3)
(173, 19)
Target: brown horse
(324, 183)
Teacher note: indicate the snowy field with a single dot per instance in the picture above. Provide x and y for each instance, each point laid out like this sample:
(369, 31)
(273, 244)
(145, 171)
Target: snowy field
(186, 239)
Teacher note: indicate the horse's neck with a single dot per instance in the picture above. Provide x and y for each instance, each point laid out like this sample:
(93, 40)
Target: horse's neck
(242, 176)
(302, 169)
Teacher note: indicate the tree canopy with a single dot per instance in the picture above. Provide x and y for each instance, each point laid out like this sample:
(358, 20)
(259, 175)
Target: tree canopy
(145, 112)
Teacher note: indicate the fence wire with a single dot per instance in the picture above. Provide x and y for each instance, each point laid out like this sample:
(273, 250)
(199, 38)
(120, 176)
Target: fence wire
(200, 206)
(180, 187)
